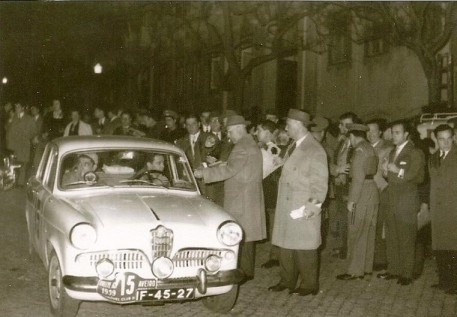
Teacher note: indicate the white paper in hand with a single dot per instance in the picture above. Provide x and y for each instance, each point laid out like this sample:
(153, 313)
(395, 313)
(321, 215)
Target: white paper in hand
(298, 213)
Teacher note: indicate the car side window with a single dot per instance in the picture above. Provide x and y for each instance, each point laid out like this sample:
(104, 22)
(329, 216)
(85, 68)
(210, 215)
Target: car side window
(43, 163)
(50, 175)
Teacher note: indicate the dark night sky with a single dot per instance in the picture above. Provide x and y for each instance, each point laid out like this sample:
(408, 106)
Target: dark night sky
(43, 43)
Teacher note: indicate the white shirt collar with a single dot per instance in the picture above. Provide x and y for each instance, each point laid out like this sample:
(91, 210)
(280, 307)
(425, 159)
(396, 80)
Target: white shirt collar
(376, 143)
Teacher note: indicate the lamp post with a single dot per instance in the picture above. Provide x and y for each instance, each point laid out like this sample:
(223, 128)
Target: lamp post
(98, 69)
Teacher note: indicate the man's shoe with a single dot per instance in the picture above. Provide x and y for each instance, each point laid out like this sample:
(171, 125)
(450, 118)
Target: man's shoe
(270, 264)
(277, 288)
(304, 292)
(348, 277)
(404, 281)
(387, 276)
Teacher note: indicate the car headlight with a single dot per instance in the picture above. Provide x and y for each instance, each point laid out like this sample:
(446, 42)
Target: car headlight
(83, 236)
(162, 267)
(229, 233)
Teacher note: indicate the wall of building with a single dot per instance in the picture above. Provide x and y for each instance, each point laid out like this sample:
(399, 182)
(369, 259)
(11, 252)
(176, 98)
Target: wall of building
(392, 85)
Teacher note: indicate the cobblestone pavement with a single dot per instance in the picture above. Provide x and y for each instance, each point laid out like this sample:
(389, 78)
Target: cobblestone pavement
(24, 291)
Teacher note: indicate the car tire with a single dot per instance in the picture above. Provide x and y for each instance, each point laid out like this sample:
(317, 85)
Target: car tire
(222, 303)
(60, 303)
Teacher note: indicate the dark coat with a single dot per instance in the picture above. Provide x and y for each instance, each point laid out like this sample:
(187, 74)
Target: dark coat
(19, 135)
(403, 191)
(443, 200)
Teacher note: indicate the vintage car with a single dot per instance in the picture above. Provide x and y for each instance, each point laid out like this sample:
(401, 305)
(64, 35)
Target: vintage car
(121, 219)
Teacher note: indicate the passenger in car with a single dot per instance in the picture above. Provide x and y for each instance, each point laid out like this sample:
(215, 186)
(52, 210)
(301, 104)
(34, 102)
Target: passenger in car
(85, 163)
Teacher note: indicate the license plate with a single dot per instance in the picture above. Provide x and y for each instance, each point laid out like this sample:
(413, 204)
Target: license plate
(166, 294)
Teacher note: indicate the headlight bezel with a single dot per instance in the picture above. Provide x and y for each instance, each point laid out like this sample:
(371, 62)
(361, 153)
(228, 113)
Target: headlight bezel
(83, 236)
(230, 233)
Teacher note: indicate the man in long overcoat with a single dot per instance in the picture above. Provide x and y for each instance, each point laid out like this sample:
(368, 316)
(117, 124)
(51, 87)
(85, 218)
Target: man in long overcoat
(19, 136)
(443, 208)
(243, 193)
(303, 183)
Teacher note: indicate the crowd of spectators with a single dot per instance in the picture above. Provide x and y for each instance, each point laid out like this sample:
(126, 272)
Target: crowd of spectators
(295, 180)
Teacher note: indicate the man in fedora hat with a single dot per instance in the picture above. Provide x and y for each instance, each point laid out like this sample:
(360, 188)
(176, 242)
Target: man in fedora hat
(362, 206)
(297, 227)
(243, 193)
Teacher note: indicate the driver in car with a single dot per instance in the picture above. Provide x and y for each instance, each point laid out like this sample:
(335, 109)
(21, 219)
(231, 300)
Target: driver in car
(154, 171)
(85, 164)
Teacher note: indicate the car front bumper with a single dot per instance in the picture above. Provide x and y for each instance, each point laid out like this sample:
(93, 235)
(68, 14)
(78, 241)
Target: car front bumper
(201, 282)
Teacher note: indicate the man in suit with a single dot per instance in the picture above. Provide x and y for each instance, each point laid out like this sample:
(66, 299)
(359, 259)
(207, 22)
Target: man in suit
(112, 123)
(338, 171)
(215, 153)
(405, 170)
(100, 120)
(443, 202)
(20, 133)
(243, 193)
(297, 227)
(363, 200)
(193, 144)
(77, 126)
(382, 148)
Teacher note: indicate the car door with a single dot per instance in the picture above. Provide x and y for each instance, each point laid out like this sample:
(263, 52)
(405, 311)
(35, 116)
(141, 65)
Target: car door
(34, 186)
(43, 197)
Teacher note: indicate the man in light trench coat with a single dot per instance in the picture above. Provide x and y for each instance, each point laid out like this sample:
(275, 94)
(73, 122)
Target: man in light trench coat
(243, 192)
(302, 189)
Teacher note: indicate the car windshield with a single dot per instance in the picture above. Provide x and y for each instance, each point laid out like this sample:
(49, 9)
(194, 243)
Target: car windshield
(125, 168)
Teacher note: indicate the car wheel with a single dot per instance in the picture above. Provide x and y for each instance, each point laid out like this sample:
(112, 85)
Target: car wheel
(222, 303)
(61, 304)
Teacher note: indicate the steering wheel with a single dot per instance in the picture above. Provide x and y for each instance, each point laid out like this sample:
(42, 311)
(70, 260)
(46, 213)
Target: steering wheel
(150, 177)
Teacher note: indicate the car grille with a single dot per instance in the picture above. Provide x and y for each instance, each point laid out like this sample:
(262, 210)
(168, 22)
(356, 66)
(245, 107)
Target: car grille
(122, 259)
(194, 257)
(162, 242)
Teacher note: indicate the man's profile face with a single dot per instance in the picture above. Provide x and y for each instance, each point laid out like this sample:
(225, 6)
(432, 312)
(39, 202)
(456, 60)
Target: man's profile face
(170, 122)
(126, 120)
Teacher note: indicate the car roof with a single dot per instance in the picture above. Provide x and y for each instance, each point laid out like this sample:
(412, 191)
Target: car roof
(72, 143)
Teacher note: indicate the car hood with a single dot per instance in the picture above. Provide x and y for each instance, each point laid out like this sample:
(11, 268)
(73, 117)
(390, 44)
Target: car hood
(110, 211)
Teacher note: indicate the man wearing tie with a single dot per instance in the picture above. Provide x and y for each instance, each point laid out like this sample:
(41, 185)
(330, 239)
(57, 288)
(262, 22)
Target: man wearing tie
(297, 225)
(405, 170)
(193, 144)
(443, 202)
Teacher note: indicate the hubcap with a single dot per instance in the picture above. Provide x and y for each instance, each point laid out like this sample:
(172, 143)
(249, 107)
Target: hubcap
(55, 278)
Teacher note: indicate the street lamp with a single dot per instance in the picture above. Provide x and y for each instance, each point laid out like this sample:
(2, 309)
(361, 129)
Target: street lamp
(4, 80)
(98, 69)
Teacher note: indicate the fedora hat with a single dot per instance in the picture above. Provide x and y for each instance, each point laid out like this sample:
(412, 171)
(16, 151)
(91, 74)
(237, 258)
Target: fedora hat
(299, 115)
(320, 123)
(235, 120)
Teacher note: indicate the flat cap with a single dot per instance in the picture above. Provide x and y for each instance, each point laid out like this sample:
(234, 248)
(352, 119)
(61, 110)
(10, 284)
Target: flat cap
(320, 123)
(170, 113)
(235, 120)
(299, 115)
(357, 127)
